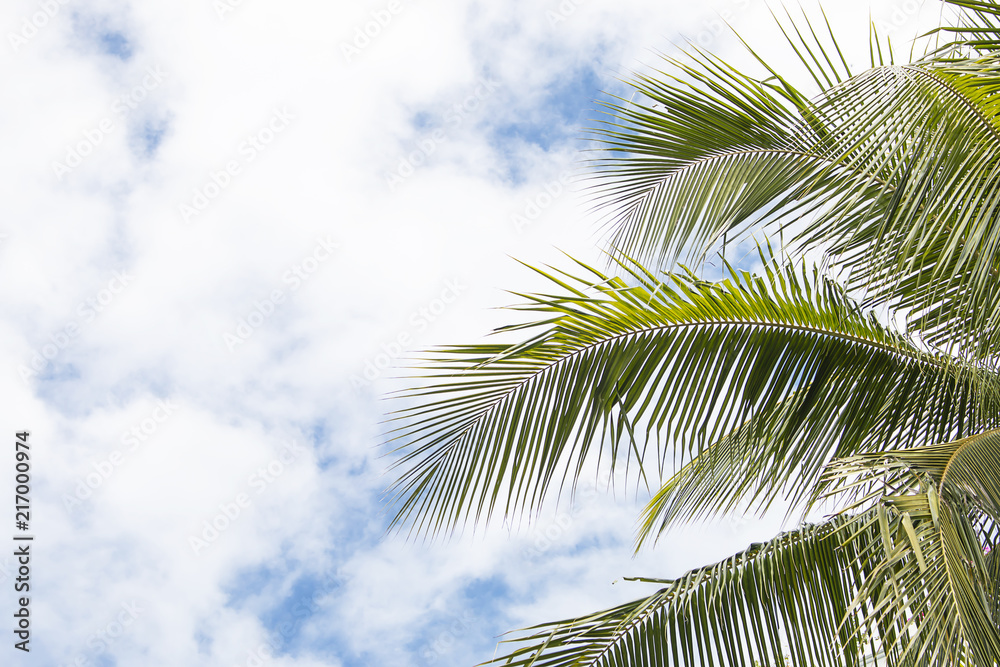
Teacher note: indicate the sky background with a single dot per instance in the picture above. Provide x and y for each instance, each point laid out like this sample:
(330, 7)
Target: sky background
(224, 223)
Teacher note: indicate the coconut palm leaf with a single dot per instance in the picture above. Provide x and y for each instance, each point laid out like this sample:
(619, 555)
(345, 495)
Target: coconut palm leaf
(789, 596)
(893, 173)
(728, 472)
(938, 509)
(966, 468)
(678, 361)
(723, 474)
(976, 31)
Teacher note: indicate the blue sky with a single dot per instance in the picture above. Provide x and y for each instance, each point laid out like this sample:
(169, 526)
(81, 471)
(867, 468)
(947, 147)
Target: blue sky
(227, 224)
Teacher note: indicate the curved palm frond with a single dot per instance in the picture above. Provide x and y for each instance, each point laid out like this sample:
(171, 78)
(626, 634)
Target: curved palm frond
(728, 472)
(967, 468)
(943, 505)
(716, 151)
(895, 173)
(725, 473)
(789, 596)
(683, 360)
(930, 244)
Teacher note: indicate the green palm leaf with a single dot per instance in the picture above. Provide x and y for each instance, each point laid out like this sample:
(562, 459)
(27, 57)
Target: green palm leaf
(893, 173)
(788, 596)
(943, 504)
(977, 31)
(680, 361)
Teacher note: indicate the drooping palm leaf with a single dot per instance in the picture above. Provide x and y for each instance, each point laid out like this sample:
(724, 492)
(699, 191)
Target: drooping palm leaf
(789, 596)
(943, 505)
(680, 361)
(968, 468)
(722, 474)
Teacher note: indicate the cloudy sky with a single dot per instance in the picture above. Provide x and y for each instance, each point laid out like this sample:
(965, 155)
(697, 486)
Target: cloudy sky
(225, 223)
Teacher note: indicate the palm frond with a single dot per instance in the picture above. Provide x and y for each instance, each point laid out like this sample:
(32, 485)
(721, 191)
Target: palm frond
(788, 596)
(893, 173)
(678, 361)
(939, 507)
(977, 31)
